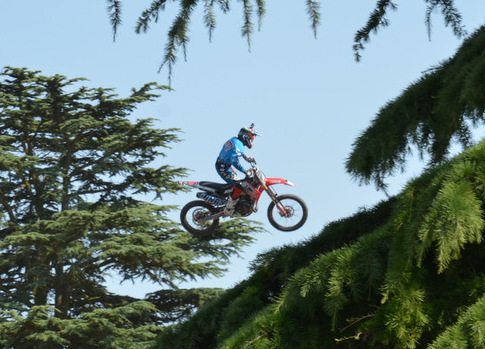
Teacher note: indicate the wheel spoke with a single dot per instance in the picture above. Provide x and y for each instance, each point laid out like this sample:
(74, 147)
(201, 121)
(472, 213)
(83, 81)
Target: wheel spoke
(288, 213)
(195, 217)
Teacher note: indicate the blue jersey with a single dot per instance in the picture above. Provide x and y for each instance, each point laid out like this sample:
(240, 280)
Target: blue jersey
(231, 151)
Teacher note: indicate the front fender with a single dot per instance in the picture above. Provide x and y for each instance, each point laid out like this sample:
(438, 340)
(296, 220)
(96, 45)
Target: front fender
(273, 181)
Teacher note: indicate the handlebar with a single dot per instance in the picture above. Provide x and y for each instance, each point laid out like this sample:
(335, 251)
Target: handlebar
(249, 159)
(252, 162)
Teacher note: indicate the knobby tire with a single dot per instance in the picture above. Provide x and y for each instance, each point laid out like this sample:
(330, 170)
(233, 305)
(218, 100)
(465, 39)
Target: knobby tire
(288, 200)
(205, 230)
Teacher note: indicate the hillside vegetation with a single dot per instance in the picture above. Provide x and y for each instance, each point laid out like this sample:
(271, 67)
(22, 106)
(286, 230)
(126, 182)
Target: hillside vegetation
(407, 273)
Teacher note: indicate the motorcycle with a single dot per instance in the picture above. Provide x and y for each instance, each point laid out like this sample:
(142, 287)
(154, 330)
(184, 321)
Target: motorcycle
(286, 212)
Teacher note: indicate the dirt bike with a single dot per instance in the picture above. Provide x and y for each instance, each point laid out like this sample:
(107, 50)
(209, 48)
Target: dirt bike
(286, 212)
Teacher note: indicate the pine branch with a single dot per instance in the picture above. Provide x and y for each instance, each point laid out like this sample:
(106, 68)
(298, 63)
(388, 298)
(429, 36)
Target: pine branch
(247, 28)
(376, 20)
(209, 17)
(450, 13)
(431, 114)
(149, 15)
(114, 12)
(261, 8)
(178, 36)
(224, 5)
(313, 11)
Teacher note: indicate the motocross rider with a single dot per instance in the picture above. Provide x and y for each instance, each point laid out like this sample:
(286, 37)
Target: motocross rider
(228, 161)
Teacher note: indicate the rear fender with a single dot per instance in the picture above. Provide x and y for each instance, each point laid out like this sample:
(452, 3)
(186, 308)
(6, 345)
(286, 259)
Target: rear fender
(190, 184)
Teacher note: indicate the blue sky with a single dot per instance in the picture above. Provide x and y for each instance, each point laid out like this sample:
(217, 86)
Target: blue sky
(307, 96)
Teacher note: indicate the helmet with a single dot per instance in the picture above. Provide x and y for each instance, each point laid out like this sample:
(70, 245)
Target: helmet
(246, 135)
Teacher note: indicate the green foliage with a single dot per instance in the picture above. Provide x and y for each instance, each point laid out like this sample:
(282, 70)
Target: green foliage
(430, 114)
(405, 274)
(378, 19)
(177, 304)
(454, 219)
(74, 176)
(251, 300)
(258, 333)
(178, 37)
(102, 328)
(468, 332)
(213, 324)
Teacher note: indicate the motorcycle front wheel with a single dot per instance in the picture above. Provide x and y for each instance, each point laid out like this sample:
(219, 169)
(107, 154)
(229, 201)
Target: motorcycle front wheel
(289, 213)
(193, 217)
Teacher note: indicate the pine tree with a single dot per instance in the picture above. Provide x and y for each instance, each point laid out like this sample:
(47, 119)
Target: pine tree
(74, 176)
(441, 108)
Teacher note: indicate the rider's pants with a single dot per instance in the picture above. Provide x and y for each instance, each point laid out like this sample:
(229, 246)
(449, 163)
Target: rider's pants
(228, 174)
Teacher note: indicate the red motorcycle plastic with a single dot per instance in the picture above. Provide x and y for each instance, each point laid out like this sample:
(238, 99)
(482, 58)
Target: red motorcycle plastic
(286, 212)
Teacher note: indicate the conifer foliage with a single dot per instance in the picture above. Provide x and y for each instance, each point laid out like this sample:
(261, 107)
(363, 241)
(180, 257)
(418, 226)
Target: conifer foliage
(439, 109)
(178, 38)
(408, 276)
(254, 11)
(74, 176)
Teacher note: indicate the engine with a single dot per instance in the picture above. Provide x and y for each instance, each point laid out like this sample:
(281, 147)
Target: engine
(244, 206)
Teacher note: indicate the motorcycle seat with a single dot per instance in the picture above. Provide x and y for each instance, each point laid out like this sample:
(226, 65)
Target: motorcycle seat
(216, 186)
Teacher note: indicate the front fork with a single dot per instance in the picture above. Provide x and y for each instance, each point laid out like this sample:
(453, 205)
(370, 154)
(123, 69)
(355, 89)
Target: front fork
(274, 197)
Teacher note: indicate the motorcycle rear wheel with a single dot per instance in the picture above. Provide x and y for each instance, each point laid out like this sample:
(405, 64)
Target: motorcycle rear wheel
(192, 218)
(296, 213)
